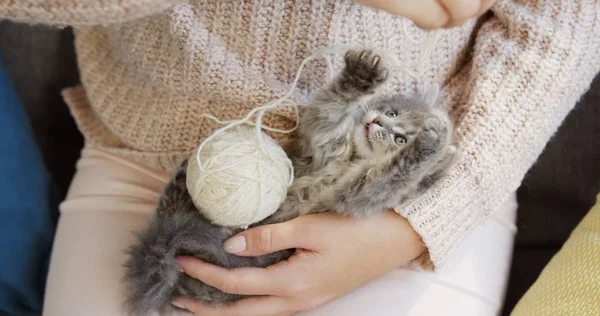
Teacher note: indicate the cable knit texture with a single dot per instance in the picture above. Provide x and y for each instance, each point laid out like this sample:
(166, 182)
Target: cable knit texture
(509, 81)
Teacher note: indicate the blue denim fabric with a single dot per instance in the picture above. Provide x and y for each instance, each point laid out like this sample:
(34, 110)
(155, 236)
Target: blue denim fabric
(28, 207)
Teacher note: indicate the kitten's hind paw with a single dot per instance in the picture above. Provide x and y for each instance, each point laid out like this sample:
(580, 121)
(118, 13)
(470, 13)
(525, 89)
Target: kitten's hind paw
(364, 71)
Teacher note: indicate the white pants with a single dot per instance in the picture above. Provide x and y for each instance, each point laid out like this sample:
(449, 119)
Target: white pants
(111, 196)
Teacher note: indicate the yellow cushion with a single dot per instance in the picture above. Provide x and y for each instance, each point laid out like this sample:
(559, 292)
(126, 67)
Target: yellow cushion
(570, 283)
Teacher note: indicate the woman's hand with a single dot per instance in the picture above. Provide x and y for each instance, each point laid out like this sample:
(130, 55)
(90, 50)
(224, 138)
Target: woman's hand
(433, 14)
(334, 255)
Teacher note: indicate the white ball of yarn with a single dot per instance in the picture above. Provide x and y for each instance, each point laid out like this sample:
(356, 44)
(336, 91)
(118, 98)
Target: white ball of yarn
(240, 182)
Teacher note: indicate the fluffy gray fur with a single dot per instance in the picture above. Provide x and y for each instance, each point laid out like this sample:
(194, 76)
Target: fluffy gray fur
(355, 154)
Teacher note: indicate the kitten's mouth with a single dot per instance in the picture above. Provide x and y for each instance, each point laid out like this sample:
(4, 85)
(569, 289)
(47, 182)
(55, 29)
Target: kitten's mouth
(367, 130)
(368, 126)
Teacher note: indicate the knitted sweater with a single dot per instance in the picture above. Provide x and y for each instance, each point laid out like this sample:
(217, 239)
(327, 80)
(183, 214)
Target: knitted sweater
(150, 68)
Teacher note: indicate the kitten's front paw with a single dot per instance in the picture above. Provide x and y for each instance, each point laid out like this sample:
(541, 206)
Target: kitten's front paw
(364, 70)
(436, 132)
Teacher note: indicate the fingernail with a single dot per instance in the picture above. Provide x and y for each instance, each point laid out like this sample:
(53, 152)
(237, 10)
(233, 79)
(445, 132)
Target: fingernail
(178, 261)
(235, 244)
(177, 304)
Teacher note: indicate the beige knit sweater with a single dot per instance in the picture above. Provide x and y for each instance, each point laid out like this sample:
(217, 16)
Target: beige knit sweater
(150, 68)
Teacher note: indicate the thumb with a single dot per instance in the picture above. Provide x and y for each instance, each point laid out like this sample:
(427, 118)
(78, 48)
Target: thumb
(262, 240)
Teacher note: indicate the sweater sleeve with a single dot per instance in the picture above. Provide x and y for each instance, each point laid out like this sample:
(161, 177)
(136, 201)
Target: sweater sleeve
(530, 64)
(80, 12)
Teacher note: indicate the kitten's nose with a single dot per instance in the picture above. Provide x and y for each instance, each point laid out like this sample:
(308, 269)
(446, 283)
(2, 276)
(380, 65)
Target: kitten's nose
(376, 121)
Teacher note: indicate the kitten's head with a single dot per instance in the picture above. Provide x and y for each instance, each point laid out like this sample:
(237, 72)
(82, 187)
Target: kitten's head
(389, 124)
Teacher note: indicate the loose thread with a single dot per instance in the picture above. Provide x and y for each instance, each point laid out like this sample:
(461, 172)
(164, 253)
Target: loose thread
(259, 112)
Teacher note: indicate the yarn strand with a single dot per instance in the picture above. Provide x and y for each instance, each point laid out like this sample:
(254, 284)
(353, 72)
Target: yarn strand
(260, 111)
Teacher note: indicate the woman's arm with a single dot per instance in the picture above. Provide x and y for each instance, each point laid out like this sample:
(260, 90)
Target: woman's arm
(80, 12)
(531, 63)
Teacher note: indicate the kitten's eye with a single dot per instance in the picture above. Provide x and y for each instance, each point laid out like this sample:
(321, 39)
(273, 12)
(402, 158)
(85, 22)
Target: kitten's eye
(391, 113)
(400, 140)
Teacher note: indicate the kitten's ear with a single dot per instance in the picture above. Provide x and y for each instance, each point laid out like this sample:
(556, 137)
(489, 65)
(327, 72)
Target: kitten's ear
(432, 96)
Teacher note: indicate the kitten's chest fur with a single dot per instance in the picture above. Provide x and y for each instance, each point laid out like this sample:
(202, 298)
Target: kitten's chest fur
(324, 150)
(324, 136)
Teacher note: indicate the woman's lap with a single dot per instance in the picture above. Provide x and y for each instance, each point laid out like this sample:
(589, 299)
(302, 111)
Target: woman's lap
(110, 197)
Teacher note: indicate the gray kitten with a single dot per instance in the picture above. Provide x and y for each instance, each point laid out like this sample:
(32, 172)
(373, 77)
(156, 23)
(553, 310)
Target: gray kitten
(354, 153)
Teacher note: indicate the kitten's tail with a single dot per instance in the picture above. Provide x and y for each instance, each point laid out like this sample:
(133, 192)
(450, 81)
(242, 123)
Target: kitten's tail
(151, 270)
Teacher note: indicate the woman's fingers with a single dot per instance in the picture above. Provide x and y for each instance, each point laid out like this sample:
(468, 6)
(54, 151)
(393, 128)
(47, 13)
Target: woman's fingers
(255, 306)
(262, 240)
(459, 11)
(244, 281)
(485, 6)
(427, 14)
(433, 14)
